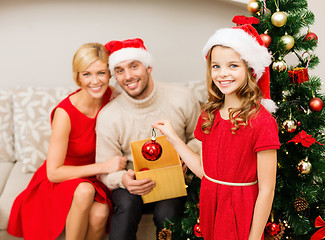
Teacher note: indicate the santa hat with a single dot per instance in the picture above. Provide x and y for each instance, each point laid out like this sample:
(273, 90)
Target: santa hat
(130, 49)
(246, 41)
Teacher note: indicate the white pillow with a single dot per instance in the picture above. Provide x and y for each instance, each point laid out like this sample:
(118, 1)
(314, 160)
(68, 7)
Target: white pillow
(6, 127)
(32, 124)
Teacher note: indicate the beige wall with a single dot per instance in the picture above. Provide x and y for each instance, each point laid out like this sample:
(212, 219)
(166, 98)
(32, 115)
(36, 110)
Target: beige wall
(39, 37)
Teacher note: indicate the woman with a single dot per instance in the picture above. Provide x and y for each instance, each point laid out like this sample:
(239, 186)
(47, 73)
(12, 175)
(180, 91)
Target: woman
(64, 192)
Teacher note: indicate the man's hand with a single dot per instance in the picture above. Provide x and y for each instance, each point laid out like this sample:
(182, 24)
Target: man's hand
(137, 187)
(184, 167)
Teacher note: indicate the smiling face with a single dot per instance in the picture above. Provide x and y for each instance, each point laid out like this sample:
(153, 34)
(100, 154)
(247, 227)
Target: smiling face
(228, 70)
(134, 78)
(95, 79)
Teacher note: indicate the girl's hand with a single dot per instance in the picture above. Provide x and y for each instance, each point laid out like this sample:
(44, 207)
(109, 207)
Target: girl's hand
(115, 164)
(166, 128)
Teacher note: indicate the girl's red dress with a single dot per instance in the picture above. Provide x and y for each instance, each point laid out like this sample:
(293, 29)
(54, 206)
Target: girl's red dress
(226, 211)
(40, 211)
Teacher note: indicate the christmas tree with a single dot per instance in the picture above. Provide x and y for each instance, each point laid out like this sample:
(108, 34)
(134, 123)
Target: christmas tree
(298, 207)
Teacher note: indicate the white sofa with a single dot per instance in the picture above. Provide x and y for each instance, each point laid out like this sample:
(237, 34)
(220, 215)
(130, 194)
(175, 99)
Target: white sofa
(24, 137)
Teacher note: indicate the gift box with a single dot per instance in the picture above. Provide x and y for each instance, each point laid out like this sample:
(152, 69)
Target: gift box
(166, 172)
(298, 75)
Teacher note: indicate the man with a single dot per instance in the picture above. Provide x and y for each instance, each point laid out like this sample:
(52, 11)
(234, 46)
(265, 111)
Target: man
(128, 118)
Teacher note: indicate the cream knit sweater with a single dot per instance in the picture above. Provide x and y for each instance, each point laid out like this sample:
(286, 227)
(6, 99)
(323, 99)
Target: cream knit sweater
(126, 119)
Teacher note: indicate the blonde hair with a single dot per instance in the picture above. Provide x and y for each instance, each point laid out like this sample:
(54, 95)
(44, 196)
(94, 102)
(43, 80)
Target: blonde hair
(86, 55)
(249, 92)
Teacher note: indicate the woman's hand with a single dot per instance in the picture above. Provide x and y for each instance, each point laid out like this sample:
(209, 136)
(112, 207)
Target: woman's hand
(115, 164)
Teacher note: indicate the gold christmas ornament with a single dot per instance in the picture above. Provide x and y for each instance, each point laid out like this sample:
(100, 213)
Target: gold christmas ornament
(290, 125)
(279, 19)
(253, 6)
(288, 41)
(279, 65)
(304, 166)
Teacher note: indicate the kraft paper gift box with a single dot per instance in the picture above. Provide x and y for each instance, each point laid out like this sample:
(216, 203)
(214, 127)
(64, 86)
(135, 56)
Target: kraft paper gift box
(166, 172)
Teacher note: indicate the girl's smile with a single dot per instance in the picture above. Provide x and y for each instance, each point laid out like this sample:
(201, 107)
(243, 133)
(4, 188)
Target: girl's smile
(228, 70)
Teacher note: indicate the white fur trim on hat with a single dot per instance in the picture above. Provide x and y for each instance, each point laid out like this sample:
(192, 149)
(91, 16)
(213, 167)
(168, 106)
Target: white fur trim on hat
(269, 105)
(124, 54)
(256, 56)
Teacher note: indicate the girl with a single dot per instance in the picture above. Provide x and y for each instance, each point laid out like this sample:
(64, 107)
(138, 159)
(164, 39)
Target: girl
(64, 191)
(239, 138)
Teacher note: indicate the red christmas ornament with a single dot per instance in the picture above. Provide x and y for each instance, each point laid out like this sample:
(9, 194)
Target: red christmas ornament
(151, 150)
(272, 228)
(144, 169)
(316, 104)
(197, 230)
(266, 39)
(311, 36)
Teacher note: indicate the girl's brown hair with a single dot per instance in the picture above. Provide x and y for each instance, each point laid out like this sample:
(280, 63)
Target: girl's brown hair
(249, 92)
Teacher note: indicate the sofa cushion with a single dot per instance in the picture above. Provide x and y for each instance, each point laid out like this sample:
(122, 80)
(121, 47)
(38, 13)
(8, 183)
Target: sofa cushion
(6, 127)
(32, 127)
(5, 168)
(15, 184)
(199, 89)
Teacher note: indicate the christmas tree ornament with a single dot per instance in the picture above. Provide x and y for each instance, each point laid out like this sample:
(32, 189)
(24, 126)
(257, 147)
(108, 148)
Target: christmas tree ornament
(316, 104)
(165, 234)
(272, 228)
(279, 65)
(144, 169)
(281, 232)
(290, 125)
(320, 234)
(197, 229)
(305, 139)
(279, 18)
(288, 41)
(301, 204)
(304, 166)
(298, 75)
(302, 109)
(151, 150)
(253, 6)
(310, 36)
(266, 39)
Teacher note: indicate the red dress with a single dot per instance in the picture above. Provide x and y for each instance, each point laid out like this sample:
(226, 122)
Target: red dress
(226, 211)
(40, 211)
